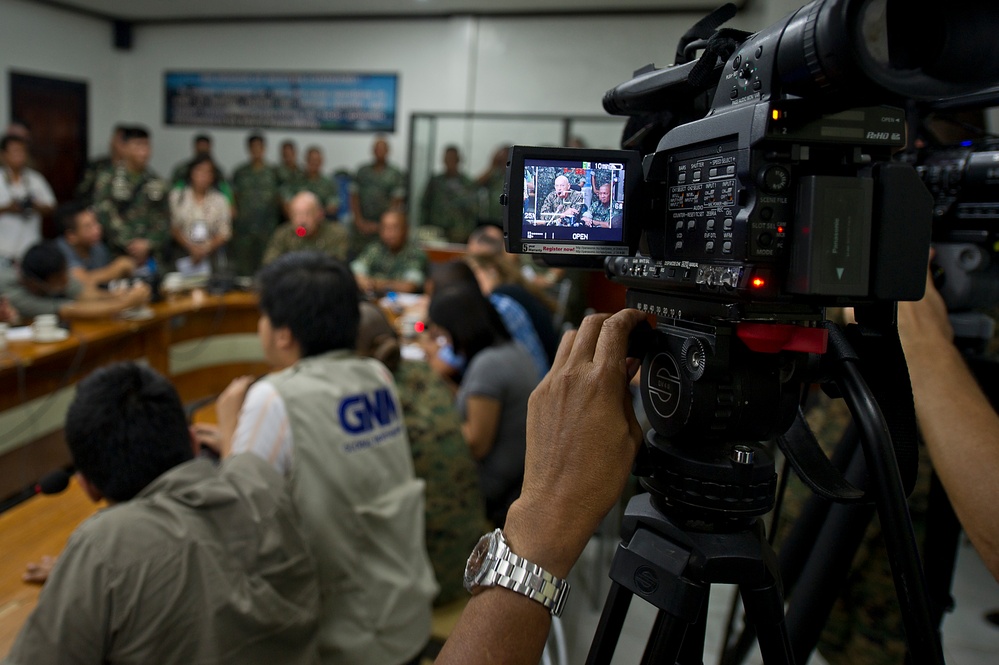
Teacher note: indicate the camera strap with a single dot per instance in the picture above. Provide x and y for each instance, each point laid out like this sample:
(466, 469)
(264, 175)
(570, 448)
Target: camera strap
(882, 365)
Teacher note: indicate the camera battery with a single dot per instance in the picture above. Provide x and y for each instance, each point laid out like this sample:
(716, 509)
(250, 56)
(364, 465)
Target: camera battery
(831, 237)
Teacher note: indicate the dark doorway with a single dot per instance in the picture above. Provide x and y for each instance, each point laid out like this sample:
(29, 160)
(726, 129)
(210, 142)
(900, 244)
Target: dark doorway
(55, 110)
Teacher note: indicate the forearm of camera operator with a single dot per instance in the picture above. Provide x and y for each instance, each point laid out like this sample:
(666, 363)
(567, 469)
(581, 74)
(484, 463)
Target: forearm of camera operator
(582, 437)
(961, 431)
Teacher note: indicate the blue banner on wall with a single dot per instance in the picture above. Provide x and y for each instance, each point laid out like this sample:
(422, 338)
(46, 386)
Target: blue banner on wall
(332, 101)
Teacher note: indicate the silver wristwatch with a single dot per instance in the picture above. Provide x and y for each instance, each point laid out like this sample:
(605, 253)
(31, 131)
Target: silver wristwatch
(493, 564)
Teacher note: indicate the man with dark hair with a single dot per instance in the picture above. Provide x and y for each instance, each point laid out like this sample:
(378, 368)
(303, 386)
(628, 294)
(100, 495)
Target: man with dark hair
(449, 201)
(378, 187)
(313, 180)
(42, 285)
(88, 258)
(258, 203)
(288, 169)
(331, 422)
(131, 203)
(116, 153)
(189, 563)
(25, 196)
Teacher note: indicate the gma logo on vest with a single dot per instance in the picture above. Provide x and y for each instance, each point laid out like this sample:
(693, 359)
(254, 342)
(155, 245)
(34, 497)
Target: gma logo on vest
(360, 413)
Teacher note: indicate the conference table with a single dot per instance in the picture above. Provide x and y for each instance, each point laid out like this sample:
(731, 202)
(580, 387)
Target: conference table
(200, 341)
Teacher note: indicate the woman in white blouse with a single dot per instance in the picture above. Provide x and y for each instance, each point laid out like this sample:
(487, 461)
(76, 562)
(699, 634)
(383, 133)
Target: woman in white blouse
(201, 219)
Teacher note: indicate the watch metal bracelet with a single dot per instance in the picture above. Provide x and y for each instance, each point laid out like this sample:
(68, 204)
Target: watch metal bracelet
(520, 575)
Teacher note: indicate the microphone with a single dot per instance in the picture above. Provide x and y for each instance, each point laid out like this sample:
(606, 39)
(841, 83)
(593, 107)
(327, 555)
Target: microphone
(53, 482)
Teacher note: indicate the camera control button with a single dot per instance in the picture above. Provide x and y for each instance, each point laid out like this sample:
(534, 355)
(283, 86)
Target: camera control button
(757, 84)
(679, 244)
(766, 213)
(727, 247)
(765, 239)
(711, 225)
(691, 225)
(734, 93)
(759, 51)
(709, 246)
(727, 225)
(679, 225)
(737, 63)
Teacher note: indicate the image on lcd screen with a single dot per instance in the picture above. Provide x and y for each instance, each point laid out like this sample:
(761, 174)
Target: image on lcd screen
(573, 200)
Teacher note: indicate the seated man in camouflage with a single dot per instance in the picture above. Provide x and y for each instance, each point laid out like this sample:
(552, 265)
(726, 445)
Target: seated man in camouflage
(308, 229)
(599, 212)
(189, 563)
(392, 263)
(563, 204)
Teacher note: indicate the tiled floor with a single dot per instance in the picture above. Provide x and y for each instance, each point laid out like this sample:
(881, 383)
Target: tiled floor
(968, 638)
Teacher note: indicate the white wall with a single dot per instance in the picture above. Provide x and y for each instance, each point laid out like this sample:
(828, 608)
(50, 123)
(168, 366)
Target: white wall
(519, 65)
(491, 64)
(39, 40)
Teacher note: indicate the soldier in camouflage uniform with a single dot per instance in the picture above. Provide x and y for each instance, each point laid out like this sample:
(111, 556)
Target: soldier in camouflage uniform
(449, 200)
(599, 212)
(85, 189)
(377, 187)
(563, 205)
(255, 186)
(308, 230)
(288, 170)
(392, 263)
(313, 180)
(455, 512)
(131, 204)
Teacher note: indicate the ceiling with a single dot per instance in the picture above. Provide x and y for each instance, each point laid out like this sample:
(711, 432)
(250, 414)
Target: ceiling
(160, 11)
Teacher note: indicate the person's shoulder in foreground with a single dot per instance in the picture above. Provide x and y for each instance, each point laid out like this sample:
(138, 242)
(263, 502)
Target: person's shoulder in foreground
(189, 563)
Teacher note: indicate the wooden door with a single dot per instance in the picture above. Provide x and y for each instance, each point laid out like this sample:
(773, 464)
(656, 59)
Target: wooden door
(55, 111)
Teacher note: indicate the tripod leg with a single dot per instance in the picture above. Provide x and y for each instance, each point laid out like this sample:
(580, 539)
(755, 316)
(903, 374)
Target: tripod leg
(609, 629)
(665, 641)
(765, 612)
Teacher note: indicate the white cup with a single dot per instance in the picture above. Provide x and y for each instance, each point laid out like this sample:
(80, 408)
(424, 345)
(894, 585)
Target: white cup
(44, 325)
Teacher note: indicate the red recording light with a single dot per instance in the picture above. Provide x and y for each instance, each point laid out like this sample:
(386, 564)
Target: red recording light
(419, 326)
(759, 282)
(780, 229)
(300, 232)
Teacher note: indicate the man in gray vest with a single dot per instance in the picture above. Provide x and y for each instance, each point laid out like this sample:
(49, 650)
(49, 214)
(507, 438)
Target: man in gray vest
(331, 421)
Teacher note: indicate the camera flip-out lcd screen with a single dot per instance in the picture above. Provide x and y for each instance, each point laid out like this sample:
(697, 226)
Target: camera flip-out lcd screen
(570, 201)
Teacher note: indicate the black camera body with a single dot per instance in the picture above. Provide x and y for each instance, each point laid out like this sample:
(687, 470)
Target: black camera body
(772, 192)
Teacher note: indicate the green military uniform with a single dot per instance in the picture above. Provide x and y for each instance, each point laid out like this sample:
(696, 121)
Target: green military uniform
(409, 264)
(449, 204)
(133, 205)
(598, 212)
(324, 189)
(85, 190)
(554, 204)
(287, 176)
(258, 211)
(330, 238)
(375, 189)
(455, 512)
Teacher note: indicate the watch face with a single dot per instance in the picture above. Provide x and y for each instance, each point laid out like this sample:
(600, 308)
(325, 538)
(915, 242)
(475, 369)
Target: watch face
(476, 565)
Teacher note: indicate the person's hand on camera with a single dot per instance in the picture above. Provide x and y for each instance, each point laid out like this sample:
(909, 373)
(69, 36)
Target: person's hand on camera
(582, 437)
(924, 325)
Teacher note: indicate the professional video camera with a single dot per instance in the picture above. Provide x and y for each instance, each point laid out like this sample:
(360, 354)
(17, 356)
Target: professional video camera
(767, 192)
